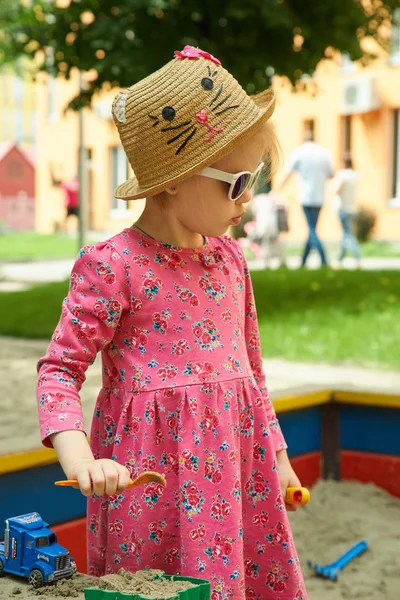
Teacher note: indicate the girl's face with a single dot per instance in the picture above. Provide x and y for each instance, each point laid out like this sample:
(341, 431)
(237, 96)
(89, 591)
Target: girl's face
(202, 204)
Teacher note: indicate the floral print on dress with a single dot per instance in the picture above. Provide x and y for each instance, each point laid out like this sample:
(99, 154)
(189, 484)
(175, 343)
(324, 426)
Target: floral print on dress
(183, 393)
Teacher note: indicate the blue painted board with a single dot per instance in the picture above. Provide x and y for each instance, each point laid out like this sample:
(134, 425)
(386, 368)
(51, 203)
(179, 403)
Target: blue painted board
(370, 429)
(302, 430)
(34, 490)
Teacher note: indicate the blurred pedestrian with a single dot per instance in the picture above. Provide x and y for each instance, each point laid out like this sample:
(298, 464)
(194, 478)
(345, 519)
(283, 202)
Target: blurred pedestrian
(313, 163)
(270, 219)
(344, 187)
(71, 195)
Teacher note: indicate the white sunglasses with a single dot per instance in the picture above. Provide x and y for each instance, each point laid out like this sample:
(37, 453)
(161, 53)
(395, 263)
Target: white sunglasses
(240, 182)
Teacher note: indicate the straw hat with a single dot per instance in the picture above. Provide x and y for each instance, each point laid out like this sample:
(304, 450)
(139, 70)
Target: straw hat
(182, 118)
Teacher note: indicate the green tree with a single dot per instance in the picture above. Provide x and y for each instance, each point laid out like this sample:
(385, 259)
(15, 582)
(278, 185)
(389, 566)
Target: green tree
(125, 41)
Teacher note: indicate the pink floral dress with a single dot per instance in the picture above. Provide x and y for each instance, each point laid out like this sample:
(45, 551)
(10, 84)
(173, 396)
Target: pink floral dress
(184, 394)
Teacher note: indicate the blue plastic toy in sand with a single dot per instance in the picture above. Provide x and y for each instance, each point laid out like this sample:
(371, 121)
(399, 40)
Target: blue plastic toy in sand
(333, 570)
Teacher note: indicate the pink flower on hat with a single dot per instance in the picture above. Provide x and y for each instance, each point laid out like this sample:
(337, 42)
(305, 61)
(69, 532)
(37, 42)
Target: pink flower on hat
(192, 52)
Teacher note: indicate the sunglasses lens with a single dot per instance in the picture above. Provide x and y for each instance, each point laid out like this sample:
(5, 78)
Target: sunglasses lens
(240, 185)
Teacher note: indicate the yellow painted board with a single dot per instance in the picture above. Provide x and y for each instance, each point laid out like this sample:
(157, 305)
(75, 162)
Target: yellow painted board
(294, 402)
(367, 399)
(27, 460)
(44, 456)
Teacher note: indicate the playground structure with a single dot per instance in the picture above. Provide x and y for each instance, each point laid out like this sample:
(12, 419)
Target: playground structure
(343, 435)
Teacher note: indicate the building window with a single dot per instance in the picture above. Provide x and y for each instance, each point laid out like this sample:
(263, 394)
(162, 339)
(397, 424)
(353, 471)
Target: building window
(19, 126)
(51, 100)
(396, 156)
(18, 91)
(118, 174)
(346, 136)
(395, 38)
(309, 129)
(33, 127)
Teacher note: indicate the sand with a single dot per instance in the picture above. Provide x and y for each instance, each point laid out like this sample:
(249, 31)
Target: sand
(338, 516)
(148, 584)
(19, 429)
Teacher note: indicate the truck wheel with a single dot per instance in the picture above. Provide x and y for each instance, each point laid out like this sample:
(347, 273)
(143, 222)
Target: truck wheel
(36, 578)
(1, 569)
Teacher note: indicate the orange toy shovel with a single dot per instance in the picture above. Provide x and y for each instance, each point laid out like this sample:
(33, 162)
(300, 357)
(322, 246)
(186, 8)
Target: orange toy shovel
(146, 477)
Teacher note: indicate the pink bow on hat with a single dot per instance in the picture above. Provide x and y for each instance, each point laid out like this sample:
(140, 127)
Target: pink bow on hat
(192, 52)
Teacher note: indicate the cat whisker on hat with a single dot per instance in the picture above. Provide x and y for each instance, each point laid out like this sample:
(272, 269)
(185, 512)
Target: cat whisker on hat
(189, 137)
(180, 134)
(176, 126)
(217, 95)
(222, 102)
(227, 108)
(154, 119)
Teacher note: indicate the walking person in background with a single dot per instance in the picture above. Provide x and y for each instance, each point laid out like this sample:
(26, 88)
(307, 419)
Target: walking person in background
(71, 196)
(270, 220)
(313, 163)
(344, 187)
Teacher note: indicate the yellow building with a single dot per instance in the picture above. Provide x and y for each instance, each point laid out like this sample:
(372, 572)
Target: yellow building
(18, 109)
(349, 108)
(58, 151)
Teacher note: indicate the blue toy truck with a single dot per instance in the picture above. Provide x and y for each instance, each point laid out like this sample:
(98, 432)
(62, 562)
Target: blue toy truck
(30, 550)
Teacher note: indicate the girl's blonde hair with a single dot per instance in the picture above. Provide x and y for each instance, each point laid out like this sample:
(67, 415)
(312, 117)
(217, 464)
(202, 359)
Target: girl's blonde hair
(272, 151)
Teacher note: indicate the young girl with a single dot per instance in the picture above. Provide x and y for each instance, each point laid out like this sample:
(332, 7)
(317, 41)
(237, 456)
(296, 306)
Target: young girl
(169, 304)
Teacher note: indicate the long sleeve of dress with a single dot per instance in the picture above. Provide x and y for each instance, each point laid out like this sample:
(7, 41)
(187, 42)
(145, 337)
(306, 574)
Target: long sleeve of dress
(252, 337)
(98, 296)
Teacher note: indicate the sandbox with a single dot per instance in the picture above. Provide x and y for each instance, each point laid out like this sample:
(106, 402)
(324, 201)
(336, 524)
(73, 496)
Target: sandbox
(348, 437)
(143, 585)
(340, 514)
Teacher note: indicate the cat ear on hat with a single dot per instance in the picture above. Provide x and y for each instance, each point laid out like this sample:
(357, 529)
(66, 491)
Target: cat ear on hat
(119, 106)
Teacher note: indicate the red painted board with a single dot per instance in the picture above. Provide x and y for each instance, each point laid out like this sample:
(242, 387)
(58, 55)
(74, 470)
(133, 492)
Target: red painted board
(381, 469)
(72, 535)
(307, 468)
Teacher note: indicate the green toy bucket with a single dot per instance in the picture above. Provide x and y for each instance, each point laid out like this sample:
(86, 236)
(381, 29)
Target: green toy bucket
(201, 591)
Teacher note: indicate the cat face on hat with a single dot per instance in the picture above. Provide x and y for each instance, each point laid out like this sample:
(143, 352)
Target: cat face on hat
(215, 102)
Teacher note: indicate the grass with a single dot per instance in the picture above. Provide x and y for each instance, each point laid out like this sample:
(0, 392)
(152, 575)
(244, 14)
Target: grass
(32, 246)
(330, 316)
(370, 249)
(380, 249)
(320, 316)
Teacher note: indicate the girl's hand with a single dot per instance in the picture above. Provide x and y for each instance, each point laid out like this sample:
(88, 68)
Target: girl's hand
(287, 477)
(102, 477)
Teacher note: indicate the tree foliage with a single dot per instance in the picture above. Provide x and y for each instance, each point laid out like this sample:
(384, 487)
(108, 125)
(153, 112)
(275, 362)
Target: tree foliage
(125, 41)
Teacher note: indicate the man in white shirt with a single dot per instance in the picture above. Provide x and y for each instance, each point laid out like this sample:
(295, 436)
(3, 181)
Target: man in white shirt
(313, 163)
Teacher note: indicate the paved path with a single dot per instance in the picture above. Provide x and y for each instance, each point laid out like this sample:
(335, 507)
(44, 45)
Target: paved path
(18, 357)
(284, 376)
(59, 270)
